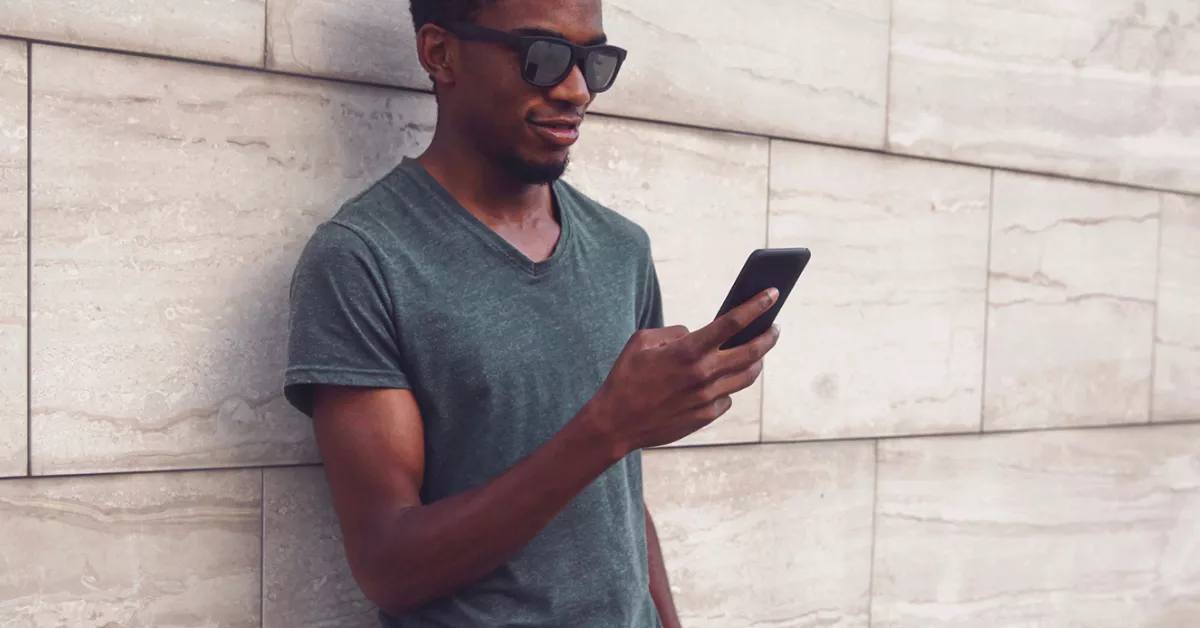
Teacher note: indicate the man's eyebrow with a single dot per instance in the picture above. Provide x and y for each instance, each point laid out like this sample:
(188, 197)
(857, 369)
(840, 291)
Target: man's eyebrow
(545, 32)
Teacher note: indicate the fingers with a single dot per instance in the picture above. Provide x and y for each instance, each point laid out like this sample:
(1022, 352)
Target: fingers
(741, 358)
(713, 335)
(713, 410)
(731, 384)
(716, 398)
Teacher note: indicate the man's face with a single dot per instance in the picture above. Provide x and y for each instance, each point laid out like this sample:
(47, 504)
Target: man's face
(515, 123)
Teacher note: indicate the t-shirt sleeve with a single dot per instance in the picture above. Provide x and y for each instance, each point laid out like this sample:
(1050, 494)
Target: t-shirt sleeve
(340, 329)
(651, 314)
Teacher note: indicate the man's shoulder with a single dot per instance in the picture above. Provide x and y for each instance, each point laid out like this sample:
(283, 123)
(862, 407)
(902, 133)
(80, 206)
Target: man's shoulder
(383, 201)
(606, 222)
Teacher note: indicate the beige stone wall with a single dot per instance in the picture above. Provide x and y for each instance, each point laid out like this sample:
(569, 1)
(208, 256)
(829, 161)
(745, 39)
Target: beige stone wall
(984, 410)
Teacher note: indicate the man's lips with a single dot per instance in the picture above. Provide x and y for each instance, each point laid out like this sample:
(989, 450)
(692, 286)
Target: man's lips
(561, 131)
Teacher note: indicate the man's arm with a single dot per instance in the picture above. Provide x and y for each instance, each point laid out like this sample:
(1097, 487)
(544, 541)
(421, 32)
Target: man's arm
(665, 385)
(660, 586)
(404, 554)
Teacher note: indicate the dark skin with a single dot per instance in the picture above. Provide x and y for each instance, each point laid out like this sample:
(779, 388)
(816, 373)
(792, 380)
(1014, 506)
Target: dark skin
(666, 384)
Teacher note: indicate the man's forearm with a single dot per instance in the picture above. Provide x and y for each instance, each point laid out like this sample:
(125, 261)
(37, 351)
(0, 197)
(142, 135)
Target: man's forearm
(660, 586)
(433, 550)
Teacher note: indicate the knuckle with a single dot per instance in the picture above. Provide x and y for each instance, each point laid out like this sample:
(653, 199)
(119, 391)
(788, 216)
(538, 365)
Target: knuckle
(688, 354)
(710, 412)
(754, 373)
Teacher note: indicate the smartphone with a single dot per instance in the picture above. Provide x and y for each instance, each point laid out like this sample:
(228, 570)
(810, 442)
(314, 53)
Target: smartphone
(764, 268)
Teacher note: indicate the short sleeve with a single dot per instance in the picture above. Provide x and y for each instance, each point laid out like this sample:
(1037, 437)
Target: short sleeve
(340, 327)
(650, 315)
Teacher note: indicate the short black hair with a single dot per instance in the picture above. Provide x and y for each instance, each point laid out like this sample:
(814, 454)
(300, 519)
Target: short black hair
(445, 11)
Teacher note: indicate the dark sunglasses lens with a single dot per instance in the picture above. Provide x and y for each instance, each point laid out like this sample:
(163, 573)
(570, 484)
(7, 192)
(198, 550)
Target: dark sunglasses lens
(600, 69)
(546, 63)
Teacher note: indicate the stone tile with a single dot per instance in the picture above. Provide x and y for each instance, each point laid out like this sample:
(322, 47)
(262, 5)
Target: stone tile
(702, 197)
(165, 550)
(13, 256)
(1106, 89)
(765, 535)
(1091, 528)
(804, 70)
(1177, 350)
(1071, 303)
(364, 40)
(307, 582)
(772, 76)
(883, 334)
(171, 203)
(227, 31)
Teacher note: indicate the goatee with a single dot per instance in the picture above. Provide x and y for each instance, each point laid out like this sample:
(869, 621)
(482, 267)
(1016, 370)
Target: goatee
(532, 172)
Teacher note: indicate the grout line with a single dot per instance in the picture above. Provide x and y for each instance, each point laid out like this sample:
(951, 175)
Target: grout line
(681, 125)
(262, 546)
(932, 435)
(887, 94)
(29, 259)
(266, 31)
(243, 467)
(874, 540)
(1162, 211)
(762, 387)
(987, 300)
(814, 442)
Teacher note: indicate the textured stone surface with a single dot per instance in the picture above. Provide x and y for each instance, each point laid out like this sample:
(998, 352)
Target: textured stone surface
(702, 197)
(228, 31)
(365, 40)
(805, 70)
(306, 581)
(1071, 303)
(1104, 89)
(1177, 352)
(170, 204)
(883, 333)
(801, 70)
(172, 550)
(1089, 528)
(13, 259)
(766, 535)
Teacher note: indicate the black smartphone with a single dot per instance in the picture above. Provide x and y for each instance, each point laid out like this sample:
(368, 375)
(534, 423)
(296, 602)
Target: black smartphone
(764, 268)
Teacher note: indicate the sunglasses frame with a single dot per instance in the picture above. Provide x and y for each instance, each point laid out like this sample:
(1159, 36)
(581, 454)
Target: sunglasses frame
(522, 44)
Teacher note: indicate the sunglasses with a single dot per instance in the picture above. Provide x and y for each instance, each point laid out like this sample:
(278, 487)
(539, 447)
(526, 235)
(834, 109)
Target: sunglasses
(548, 61)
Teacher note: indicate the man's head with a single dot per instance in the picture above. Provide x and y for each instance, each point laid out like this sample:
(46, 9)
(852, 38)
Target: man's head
(518, 102)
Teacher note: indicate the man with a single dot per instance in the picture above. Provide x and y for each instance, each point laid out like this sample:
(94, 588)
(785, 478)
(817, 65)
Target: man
(482, 352)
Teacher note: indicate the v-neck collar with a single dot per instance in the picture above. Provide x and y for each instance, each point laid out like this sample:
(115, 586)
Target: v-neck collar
(495, 241)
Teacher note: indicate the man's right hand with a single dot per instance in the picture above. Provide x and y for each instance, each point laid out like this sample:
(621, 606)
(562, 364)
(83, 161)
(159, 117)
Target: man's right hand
(668, 383)
(403, 553)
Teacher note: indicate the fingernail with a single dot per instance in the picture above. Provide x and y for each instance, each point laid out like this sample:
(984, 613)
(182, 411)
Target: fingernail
(773, 293)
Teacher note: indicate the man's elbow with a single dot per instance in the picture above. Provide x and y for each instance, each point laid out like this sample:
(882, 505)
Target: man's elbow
(386, 569)
(380, 581)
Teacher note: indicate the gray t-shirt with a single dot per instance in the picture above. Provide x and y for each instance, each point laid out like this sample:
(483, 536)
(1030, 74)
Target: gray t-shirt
(404, 288)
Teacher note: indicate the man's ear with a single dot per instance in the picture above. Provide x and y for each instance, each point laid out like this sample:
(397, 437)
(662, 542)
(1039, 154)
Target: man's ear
(438, 52)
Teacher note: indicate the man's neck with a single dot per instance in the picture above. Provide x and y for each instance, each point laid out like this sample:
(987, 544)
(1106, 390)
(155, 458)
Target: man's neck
(483, 187)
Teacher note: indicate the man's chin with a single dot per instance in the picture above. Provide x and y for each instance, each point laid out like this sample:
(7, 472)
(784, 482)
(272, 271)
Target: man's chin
(536, 172)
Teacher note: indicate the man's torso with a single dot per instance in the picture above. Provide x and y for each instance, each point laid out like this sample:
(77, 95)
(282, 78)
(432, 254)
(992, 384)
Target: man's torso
(500, 352)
